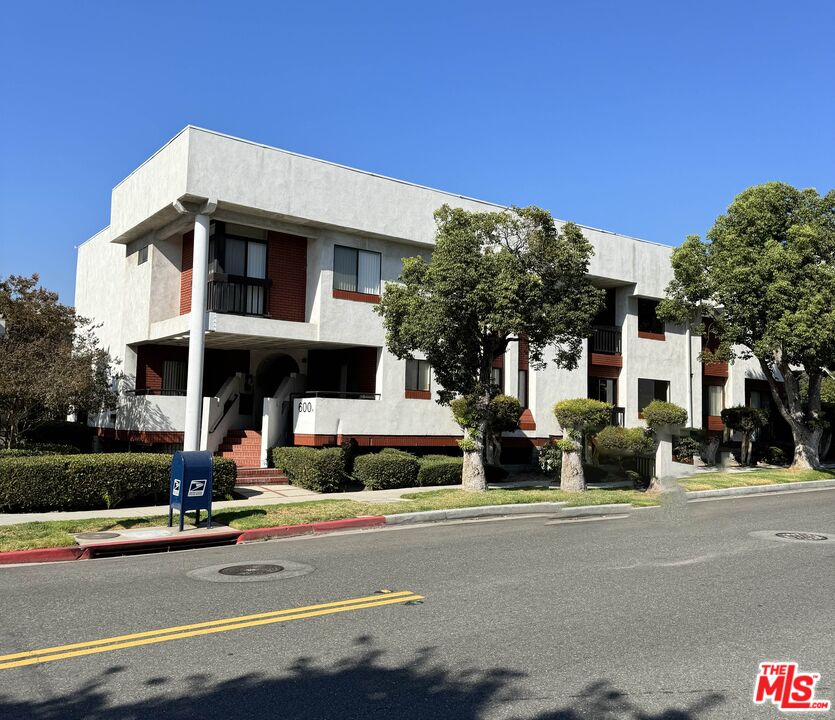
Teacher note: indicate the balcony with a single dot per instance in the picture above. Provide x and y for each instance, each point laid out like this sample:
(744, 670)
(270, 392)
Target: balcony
(605, 339)
(715, 369)
(238, 295)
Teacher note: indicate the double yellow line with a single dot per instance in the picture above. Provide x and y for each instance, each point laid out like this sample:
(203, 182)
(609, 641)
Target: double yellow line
(179, 632)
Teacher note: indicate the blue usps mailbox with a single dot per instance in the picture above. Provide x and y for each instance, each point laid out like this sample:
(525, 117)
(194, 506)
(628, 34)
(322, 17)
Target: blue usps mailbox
(191, 485)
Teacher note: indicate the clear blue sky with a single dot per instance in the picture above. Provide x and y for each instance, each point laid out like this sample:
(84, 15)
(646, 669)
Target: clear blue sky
(641, 117)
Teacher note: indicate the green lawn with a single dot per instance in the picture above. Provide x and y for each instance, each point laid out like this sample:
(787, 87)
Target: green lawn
(714, 481)
(59, 533)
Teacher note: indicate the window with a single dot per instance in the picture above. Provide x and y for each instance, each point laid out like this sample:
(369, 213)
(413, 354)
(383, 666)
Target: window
(649, 390)
(418, 373)
(715, 399)
(238, 269)
(603, 389)
(497, 377)
(523, 388)
(356, 270)
(142, 255)
(648, 321)
(174, 374)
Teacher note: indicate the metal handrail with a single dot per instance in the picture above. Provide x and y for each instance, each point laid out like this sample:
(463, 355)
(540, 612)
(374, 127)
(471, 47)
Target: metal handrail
(337, 395)
(606, 339)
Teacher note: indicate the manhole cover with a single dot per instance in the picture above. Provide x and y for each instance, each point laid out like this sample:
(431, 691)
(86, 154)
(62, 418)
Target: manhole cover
(250, 570)
(801, 536)
(794, 536)
(96, 535)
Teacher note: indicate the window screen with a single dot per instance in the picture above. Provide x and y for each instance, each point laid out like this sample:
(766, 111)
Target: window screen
(418, 374)
(356, 270)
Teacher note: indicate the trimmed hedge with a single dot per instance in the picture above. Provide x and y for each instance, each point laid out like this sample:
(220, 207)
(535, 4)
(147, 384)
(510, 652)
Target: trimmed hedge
(86, 482)
(35, 449)
(387, 469)
(660, 413)
(440, 470)
(310, 468)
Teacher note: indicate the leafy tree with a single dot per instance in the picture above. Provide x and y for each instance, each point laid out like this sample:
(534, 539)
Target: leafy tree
(747, 420)
(50, 360)
(493, 276)
(766, 275)
(579, 419)
(502, 415)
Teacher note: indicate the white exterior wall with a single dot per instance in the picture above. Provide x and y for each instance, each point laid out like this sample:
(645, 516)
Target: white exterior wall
(330, 204)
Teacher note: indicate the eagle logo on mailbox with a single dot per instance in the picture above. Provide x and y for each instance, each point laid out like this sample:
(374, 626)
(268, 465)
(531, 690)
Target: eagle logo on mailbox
(196, 488)
(176, 486)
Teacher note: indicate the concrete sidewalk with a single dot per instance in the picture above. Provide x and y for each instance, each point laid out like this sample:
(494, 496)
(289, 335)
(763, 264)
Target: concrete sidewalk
(255, 495)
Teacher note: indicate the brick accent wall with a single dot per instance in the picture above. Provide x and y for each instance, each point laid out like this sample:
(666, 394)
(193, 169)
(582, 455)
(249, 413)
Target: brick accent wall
(149, 360)
(287, 270)
(523, 352)
(604, 371)
(185, 272)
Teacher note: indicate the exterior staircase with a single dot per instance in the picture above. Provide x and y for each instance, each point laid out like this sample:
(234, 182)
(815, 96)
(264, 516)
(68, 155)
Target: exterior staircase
(244, 448)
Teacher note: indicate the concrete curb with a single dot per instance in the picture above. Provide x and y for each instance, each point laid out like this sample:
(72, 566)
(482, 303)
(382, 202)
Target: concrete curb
(761, 489)
(59, 554)
(314, 528)
(428, 516)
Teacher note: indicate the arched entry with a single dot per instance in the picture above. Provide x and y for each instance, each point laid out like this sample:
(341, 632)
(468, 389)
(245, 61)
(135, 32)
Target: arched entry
(271, 372)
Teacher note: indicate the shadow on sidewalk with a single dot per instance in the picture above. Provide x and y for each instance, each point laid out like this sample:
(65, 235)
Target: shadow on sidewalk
(364, 685)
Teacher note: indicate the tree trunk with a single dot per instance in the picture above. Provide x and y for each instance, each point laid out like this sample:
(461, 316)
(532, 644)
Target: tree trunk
(572, 478)
(473, 477)
(745, 449)
(492, 449)
(806, 448)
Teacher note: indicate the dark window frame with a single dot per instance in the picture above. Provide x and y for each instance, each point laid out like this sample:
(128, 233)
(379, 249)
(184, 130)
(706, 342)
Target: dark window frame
(648, 321)
(428, 387)
(357, 252)
(218, 275)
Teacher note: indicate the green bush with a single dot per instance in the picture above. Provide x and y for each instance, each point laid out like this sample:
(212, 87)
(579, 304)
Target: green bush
(619, 442)
(744, 418)
(582, 415)
(313, 469)
(387, 469)
(35, 449)
(550, 458)
(85, 482)
(440, 470)
(660, 413)
(687, 447)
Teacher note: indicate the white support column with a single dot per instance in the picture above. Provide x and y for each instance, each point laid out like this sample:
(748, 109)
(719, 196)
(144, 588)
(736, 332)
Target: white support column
(196, 332)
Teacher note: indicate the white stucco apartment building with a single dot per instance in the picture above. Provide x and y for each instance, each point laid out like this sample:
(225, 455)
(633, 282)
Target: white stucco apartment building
(288, 255)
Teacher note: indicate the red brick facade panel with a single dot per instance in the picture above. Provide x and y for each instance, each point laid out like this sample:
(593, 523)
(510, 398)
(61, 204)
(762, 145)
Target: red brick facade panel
(651, 335)
(419, 394)
(524, 358)
(185, 272)
(604, 359)
(357, 297)
(526, 420)
(287, 271)
(604, 371)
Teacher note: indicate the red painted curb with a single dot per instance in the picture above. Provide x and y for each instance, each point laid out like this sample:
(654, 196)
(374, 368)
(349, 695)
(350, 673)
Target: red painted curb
(323, 526)
(40, 555)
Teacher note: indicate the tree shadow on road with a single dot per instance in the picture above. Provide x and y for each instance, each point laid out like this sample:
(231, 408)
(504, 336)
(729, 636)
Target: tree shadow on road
(364, 685)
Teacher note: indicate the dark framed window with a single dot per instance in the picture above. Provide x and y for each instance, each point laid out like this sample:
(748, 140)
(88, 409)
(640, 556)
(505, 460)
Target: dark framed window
(649, 390)
(238, 269)
(603, 389)
(497, 377)
(648, 321)
(174, 375)
(356, 270)
(523, 388)
(418, 375)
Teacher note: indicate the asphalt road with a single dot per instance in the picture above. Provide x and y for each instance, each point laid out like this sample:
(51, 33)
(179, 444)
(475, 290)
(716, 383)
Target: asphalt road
(664, 615)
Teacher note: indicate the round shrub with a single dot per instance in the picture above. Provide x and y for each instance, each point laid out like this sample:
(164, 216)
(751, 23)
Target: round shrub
(550, 458)
(384, 470)
(583, 415)
(660, 413)
(619, 442)
(311, 468)
(90, 481)
(687, 447)
(440, 470)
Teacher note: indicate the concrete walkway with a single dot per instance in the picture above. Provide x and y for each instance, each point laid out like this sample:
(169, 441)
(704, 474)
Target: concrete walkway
(255, 495)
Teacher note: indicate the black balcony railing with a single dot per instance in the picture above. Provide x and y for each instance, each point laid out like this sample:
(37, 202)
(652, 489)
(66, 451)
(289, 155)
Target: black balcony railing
(618, 416)
(645, 466)
(338, 395)
(240, 296)
(605, 339)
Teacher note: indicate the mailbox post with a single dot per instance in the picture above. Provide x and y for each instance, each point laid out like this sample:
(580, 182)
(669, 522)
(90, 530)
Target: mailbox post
(191, 485)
